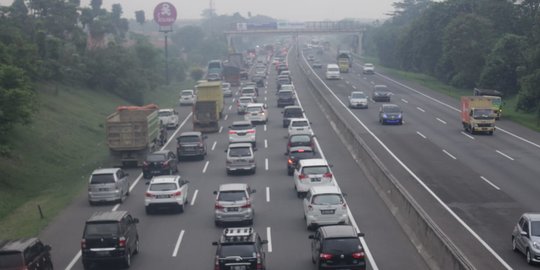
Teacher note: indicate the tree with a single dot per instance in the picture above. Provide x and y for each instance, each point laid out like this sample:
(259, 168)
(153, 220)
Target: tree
(140, 17)
(188, 37)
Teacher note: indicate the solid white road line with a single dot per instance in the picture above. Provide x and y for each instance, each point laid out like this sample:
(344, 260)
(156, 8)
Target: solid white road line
(489, 182)
(194, 197)
(470, 137)
(178, 242)
(74, 261)
(267, 194)
(354, 87)
(504, 155)
(233, 101)
(421, 135)
(214, 145)
(265, 92)
(440, 120)
(220, 129)
(115, 207)
(226, 116)
(266, 163)
(265, 143)
(205, 166)
(269, 238)
(230, 106)
(420, 109)
(404, 100)
(450, 155)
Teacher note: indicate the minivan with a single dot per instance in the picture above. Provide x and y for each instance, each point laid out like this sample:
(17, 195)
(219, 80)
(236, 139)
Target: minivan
(290, 112)
(311, 172)
(108, 185)
(240, 157)
(325, 205)
(332, 72)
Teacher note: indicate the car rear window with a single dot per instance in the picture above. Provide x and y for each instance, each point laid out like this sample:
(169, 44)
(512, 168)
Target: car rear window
(301, 138)
(163, 187)
(106, 178)
(189, 139)
(341, 245)
(358, 95)
(187, 93)
(238, 250)
(300, 124)
(333, 69)
(242, 127)
(239, 152)
(248, 91)
(254, 109)
(11, 260)
(315, 170)
(156, 157)
(285, 94)
(245, 100)
(101, 229)
(165, 113)
(293, 112)
(302, 155)
(232, 196)
(284, 81)
(325, 199)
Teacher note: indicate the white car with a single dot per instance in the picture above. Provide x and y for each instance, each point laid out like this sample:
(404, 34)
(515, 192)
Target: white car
(332, 72)
(256, 112)
(358, 99)
(325, 205)
(368, 68)
(243, 131)
(249, 91)
(226, 88)
(299, 126)
(242, 103)
(168, 118)
(311, 172)
(166, 191)
(187, 97)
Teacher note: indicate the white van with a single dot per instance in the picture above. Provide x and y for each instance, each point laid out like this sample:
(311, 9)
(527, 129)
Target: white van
(332, 72)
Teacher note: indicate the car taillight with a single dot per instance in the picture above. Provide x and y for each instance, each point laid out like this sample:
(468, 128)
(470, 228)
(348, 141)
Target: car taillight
(148, 195)
(358, 255)
(328, 175)
(259, 262)
(165, 164)
(251, 131)
(290, 161)
(178, 193)
(344, 206)
(302, 176)
(218, 206)
(289, 145)
(325, 256)
(247, 205)
(122, 242)
(216, 264)
(83, 243)
(145, 164)
(232, 132)
(310, 207)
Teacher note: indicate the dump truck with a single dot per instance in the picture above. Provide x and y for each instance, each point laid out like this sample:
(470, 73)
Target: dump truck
(477, 114)
(132, 132)
(208, 108)
(495, 97)
(344, 61)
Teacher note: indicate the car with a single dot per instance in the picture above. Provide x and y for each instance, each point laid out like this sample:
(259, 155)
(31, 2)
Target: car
(191, 144)
(368, 68)
(256, 113)
(316, 64)
(242, 103)
(258, 80)
(299, 126)
(285, 98)
(187, 97)
(332, 72)
(234, 204)
(108, 185)
(169, 118)
(311, 58)
(526, 237)
(243, 131)
(213, 77)
(170, 191)
(160, 163)
(288, 87)
(325, 205)
(25, 253)
(390, 114)
(243, 74)
(311, 172)
(337, 247)
(300, 140)
(226, 88)
(296, 154)
(240, 157)
(109, 236)
(381, 93)
(281, 67)
(281, 80)
(286, 73)
(240, 248)
(290, 112)
(358, 99)
(249, 91)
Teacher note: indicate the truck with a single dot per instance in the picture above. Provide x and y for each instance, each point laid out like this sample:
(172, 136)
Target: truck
(495, 97)
(231, 74)
(132, 132)
(208, 108)
(477, 114)
(344, 62)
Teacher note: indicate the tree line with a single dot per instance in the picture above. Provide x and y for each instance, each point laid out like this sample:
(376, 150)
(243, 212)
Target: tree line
(466, 43)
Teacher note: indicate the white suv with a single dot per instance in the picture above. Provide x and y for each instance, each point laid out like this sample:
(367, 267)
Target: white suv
(325, 205)
(243, 131)
(311, 172)
(166, 191)
(168, 118)
(187, 97)
(256, 112)
(299, 126)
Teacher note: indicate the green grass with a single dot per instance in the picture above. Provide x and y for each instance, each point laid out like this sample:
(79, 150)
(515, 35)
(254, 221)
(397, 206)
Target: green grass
(53, 157)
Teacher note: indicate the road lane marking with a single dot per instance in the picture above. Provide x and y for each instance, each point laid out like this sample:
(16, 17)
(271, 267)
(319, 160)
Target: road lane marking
(226, 116)
(266, 163)
(269, 238)
(115, 207)
(264, 127)
(504, 155)
(230, 106)
(404, 100)
(214, 145)
(205, 166)
(265, 92)
(264, 98)
(372, 82)
(267, 194)
(233, 101)
(489, 182)
(450, 155)
(220, 129)
(194, 197)
(440, 120)
(470, 137)
(354, 87)
(420, 134)
(265, 143)
(420, 109)
(347, 82)
(178, 242)
(74, 261)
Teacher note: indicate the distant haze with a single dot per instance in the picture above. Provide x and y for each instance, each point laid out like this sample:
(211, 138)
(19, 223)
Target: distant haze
(291, 10)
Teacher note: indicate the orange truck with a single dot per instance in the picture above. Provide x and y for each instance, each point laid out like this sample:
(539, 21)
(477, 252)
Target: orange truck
(477, 114)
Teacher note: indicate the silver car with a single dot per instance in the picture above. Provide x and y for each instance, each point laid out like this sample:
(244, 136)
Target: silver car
(240, 157)
(358, 99)
(234, 203)
(243, 131)
(166, 191)
(526, 237)
(226, 88)
(242, 103)
(325, 205)
(108, 185)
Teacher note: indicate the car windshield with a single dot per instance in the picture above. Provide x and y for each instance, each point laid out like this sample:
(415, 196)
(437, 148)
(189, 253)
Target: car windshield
(106, 178)
(165, 113)
(300, 124)
(284, 81)
(483, 114)
(325, 199)
(156, 157)
(241, 127)
(254, 109)
(380, 88)
(162, 187)
(368, 65)
(391, 109)
(535, 228)
(358, 95)
(189, 139)
(341, 245)
(315, 170)
(11, 260)
(238, 250)
(232, 196)
(300, 138)
(101, 229)
(239, 152)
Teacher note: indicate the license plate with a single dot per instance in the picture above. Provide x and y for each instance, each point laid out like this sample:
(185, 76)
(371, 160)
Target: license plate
(253, 114)
(156, 172)
(102, 253)
(162, 196)
(299, 129)
(238, 267)
(241, 134)
(103, 189)
(316, 179)
(328, 211)
(232, 209)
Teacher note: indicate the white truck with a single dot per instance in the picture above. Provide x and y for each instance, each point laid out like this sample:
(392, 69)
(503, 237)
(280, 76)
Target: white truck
(168, 118)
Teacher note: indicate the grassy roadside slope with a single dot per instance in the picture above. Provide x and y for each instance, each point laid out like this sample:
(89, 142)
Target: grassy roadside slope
(53, 156)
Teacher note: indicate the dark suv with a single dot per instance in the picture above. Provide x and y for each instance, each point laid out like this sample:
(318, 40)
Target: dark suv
(109, 236)
(337, 246)
(28, 253)
(290, 112)
(240, 248)
(285, 97)
(191, 144)
(160, 163)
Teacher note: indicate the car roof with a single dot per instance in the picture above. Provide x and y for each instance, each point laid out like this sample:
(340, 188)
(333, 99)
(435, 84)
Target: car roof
(190, 133)
(380, 86)
(325, 189)
(285, 90)
(313, 162)
(107, 216)
(187, 90)
(166, 110)
(290, 107)
(105, 171)
(241, 123)
(238, 145)
(332, 66)
(390, 105)
(298, 119)
(357, 92)
(165, 179)
(532, 216)
(256, 105)
(233, 186)
(339, 231)
(17, 244)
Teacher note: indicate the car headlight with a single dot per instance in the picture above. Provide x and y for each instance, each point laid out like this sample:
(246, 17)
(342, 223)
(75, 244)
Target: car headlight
(399, 115)
(384, 115)
(536, 245)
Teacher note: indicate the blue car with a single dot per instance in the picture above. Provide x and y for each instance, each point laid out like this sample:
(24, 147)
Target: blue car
(390, 114)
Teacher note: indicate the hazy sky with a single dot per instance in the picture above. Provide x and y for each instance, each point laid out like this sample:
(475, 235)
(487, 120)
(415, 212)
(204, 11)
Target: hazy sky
(292, 10)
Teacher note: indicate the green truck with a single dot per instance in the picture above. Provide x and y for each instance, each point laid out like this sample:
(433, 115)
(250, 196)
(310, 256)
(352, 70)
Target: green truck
(208, 108)
(132, 132)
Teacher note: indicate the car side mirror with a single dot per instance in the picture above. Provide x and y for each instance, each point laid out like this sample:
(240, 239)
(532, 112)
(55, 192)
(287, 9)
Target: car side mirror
(135, 220)
(205, 137)
(281, 112)
(331, 165)
(344, 194)
(264, 242)
(147, 183)
(253, 191)
(524, 233)
(255, 149)
(310, 123)
(285, 153)
(311, 236)
(214, 243)
(215, 192)
(48, 247)
(361, 234)
(225, 150)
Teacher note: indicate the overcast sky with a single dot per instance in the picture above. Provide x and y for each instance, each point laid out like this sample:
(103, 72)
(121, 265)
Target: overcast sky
(291, 10)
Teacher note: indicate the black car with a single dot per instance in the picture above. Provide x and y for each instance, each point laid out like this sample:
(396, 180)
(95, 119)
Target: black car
(296, 140)
(258, 80)
(285, 98)
(27, 253)
(109, 236)
(281, 81)
(298, 153)
(337, 246)
(381, 93)
(160, 163)
(191, 144)
(290, 112)
(240, 248)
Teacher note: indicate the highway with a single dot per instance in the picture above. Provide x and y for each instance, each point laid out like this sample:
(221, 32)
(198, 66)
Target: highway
(183, 241)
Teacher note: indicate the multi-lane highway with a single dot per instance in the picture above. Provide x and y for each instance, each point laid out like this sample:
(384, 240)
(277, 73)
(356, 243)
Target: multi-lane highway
(183, 241)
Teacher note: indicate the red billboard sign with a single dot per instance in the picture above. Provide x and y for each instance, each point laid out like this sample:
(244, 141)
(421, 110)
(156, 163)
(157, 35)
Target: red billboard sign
(165, 14)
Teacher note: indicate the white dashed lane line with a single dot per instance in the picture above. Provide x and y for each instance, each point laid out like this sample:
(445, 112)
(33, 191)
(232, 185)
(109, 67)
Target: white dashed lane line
(266, 163)
(490, 183)
(404, 101)
(194, 197)
(230, 106)
(264, 127)
(205, 166)
(354, 87)
(269, 238)
(226, 116)
(450, 155)
(220, 129)
(214, 145)
(469, 136)
(420, 109)
(440, 120)
(267, 194)
(233, 101)
(420, 134)
(504, 155)
(178, 242)
(265, 143)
